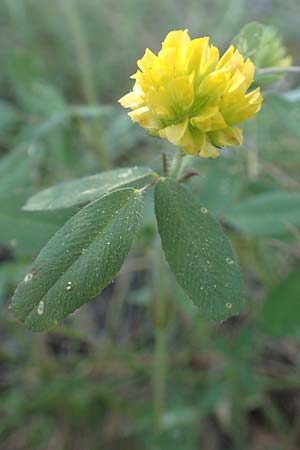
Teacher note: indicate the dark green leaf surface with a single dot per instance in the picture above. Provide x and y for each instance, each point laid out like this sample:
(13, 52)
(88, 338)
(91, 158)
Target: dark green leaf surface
(79, 261)
(198, 252)
(84, 190)
(267, 214)
(280, 315)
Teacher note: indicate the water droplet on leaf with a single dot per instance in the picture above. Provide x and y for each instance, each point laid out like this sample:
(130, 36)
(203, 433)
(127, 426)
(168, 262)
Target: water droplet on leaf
(41, 308)
(229, 260)
(28, 277)
(13, 242)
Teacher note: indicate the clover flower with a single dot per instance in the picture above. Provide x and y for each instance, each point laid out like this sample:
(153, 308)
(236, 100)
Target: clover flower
(192, 97)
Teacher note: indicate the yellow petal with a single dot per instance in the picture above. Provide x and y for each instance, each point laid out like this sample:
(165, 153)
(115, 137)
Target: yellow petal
(132, 100)
(182, 89)
(202, 145)
(242, 77)
(148, 61)
(206, 113)
(174, 50)
(197, 53)
(236, 81)
(212, 87)
(226, 57)
(232, 59)
(202, 58)
(159, 101)
(237, 107)
(144, 117)
(209, 119)
(177, 38)
(168, 58)
(198, 144)
(208, 150)
(174, 133)
(248, 70)
(211, 62)
(254, 97)
(231, 136)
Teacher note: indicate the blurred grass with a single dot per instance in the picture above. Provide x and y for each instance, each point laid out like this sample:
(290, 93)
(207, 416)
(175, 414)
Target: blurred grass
(117, 33)
(88, 384)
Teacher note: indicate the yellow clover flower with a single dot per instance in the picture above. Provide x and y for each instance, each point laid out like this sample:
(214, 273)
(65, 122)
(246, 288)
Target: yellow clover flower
(192, 97)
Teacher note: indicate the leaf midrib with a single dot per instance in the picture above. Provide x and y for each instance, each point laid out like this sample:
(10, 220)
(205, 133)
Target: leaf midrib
(120, 185)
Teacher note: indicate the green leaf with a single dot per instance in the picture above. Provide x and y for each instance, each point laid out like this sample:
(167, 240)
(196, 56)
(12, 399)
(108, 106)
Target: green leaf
(198, 252)
(280, 315)
(86, 189)
(271, 213)
(27, 232)
(262, 44)
(79, 261)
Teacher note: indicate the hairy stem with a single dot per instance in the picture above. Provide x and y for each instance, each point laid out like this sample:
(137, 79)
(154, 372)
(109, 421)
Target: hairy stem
(177, 163)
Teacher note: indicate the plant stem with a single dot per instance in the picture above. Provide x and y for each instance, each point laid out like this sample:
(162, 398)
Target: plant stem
(117, 303)
(86, 73)
(160, 376)
(161, 320)
(175, 170)
(252, 153)
(290, 69)
(160, 355)
(84, 60)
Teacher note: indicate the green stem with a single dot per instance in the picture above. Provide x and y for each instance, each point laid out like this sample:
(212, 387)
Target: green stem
(252, 153)
(290, 69)
(161, 320)
(84, 60)
(117, 303)
(160, 352)
(177, 163)
(160, 376)
(86, 73)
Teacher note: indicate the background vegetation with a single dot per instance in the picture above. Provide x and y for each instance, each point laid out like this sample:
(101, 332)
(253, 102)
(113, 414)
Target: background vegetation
(88, 384)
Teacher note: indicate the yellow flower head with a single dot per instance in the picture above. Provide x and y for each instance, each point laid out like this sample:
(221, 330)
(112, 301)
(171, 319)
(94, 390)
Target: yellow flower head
(192, 97)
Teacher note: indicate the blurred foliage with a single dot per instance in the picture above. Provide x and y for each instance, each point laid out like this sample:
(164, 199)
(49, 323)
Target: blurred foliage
(88, 383)
(263, 45)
